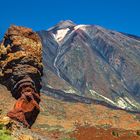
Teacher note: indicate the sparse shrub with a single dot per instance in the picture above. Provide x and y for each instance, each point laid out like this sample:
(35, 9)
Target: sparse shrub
(0, 111)
(4, 134)
(114, 133)
(138, 133)
(68, 139)
(77, 124)
(106, 126)
(1, 126)
(137, 117)
(87, 124)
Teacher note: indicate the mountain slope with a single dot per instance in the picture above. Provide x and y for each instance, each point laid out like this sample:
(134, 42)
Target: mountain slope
(86, 62)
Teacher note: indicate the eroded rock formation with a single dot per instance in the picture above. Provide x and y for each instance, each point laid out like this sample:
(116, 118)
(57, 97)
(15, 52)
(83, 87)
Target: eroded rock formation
(21, 70)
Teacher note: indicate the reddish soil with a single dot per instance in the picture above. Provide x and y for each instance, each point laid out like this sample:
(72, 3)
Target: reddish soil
(96, 133)
(114, 124)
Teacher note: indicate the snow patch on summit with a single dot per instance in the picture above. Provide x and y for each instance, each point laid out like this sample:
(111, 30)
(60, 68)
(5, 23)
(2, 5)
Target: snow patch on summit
(60, 34)
(82, 26)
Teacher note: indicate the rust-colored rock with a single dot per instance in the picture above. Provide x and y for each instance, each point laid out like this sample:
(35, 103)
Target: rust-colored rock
(26, 108)
(21, 70)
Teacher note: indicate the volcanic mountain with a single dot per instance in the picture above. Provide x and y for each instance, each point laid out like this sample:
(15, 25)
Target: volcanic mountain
(71, 77)
(88, 63)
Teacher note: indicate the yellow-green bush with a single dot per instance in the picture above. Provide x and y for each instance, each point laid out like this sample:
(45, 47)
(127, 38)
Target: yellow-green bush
(4, 133)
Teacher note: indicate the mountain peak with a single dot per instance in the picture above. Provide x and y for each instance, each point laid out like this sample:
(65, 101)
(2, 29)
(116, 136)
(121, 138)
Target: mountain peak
(66, 22)
(80, 50)
(63, 24)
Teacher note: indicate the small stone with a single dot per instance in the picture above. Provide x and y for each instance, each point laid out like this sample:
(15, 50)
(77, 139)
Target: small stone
(5, 120)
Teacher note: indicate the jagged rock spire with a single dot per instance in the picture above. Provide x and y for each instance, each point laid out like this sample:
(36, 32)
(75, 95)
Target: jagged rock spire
(21, 70)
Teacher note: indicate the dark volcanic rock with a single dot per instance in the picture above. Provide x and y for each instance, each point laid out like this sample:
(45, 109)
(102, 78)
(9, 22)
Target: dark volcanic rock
(92, 62)
(21, 70)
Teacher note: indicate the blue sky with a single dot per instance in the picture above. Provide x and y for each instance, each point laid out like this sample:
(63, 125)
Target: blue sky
(121, 15)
